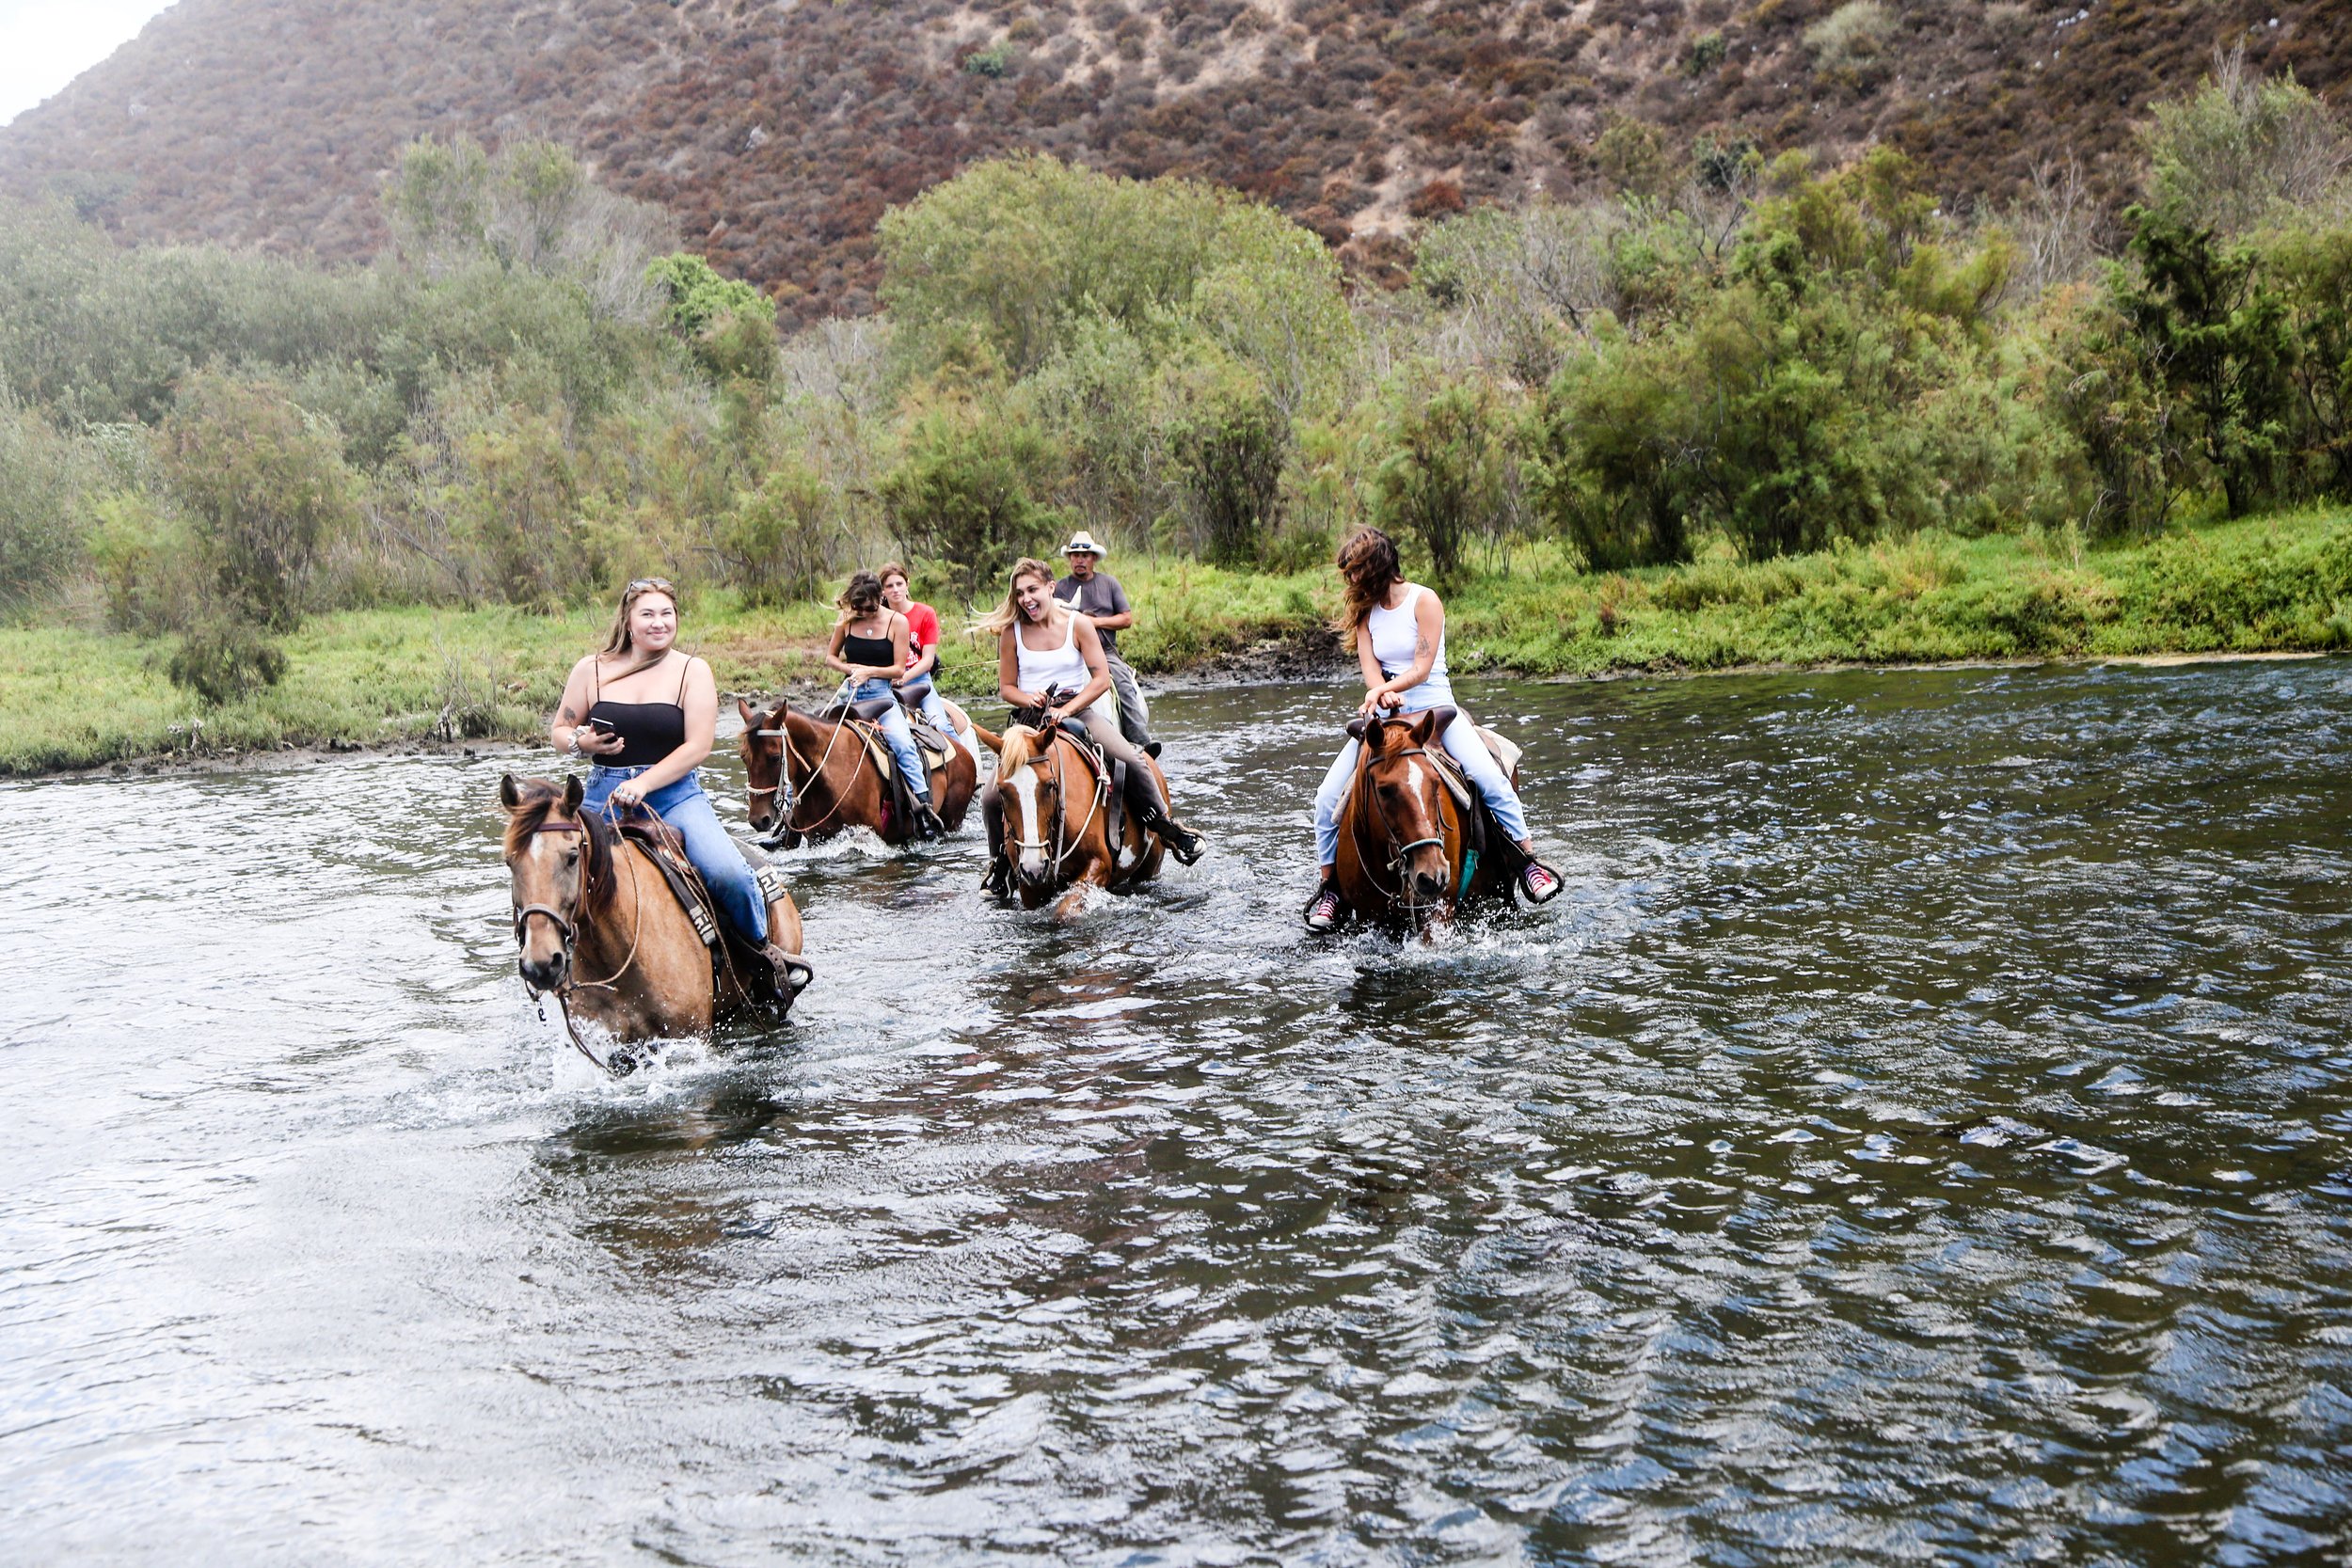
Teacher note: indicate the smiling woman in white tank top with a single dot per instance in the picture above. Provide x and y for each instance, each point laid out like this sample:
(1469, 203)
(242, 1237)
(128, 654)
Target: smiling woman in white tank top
(1063, 674)
(1399, 631)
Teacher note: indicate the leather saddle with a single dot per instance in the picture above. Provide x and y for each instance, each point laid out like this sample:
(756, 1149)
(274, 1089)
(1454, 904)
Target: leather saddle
(866, 718)
(665, 846)
(1479, 833)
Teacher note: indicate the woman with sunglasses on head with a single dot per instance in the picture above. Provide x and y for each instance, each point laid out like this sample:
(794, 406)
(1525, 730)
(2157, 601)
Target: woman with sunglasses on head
(645, 713)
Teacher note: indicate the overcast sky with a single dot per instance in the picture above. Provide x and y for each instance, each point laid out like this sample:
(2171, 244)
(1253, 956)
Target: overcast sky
(46, 44)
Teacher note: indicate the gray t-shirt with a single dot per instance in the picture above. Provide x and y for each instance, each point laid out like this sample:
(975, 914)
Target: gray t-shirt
(1100, 595)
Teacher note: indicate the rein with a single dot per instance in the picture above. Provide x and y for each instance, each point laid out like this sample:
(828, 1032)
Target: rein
(785, 757)
(1066, 847)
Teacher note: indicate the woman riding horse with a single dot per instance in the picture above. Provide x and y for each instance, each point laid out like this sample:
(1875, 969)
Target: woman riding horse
(1050, 666)
(1397, 629)
(870, 646)
(645, 714)
(914, 686)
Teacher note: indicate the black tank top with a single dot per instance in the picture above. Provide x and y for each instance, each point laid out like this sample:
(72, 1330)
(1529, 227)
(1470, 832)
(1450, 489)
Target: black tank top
(872, 652)
(648, 731)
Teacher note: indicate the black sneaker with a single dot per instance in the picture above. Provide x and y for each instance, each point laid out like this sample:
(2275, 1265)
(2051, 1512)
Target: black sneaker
(1323, 909)
(998, 882)
(1182, 841)
(928, 827)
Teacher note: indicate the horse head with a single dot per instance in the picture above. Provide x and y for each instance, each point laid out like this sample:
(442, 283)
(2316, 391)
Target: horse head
(1033, 800)
(548, 847)
(766, 746)
(1405, 807)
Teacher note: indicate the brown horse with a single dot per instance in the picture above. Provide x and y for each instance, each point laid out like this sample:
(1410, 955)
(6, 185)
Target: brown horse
(1057, 829)
(811, 778)
(596, 924)
(1403, 857)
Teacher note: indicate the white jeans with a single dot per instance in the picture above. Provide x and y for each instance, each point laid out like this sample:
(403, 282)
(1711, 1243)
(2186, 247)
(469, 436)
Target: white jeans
(1461, 739)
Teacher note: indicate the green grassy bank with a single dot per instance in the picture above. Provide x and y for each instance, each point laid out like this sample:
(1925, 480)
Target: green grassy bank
(76, 699)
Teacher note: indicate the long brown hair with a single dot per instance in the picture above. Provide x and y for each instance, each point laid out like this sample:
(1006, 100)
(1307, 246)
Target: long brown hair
(860, 599)
(618, 640)
(1009, 613)
(1368, 569)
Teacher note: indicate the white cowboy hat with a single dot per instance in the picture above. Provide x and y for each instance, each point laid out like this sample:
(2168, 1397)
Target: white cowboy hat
(1082, 541)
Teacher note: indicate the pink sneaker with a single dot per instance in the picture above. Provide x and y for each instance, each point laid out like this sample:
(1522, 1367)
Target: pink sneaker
(1541, 883)
(1324, 913)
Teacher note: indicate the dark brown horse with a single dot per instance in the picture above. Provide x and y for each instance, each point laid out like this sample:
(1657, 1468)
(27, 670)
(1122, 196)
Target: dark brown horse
(596, 924)
(1403, 857)
(1057, 829)
(809, 779)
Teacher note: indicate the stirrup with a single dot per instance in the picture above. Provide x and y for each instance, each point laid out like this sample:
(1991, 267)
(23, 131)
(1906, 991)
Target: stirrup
(1539, 899)
(927, 824)
(1318, 921)
(997, 883)
(793, 972)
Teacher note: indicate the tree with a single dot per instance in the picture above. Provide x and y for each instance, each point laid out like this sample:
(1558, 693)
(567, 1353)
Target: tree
(966, 490)
(2216, 338)
(263, 485)
(1446, 473)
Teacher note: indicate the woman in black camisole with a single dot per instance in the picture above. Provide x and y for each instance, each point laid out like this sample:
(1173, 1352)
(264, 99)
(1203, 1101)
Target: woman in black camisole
(869, 646)
(645, 714)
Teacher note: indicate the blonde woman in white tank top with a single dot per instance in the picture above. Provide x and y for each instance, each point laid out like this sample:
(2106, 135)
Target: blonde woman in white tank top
(1400, 645)
(1049, 657)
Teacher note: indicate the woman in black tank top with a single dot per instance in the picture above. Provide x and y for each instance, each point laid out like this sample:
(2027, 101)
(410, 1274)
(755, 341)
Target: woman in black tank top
(870, 648)
(647, 740)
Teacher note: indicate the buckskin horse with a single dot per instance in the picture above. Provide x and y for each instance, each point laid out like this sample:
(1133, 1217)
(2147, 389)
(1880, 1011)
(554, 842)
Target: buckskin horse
(1407, 853)
(809, 779)
(596, 924)
(1058, 823)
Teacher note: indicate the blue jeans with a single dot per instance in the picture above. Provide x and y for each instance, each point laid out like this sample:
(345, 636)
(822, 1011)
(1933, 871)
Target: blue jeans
(896, 732)
(1460, 739)
(934, 708)
(684, 806)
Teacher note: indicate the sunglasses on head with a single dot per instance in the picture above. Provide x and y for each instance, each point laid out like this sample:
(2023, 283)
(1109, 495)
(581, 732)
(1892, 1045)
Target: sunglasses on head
(638, 585)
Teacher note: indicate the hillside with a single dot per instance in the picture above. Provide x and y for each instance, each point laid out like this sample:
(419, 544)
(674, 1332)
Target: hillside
(777, 132)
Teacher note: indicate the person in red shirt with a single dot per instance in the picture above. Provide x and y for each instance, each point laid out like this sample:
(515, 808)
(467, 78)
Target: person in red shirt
(914, 687)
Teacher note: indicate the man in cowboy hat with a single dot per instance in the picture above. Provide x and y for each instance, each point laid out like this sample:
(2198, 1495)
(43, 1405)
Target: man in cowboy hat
(1098, 597)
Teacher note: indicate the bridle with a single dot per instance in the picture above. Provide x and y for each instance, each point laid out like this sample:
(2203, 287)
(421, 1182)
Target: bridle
(786, 754)
(1402, 892)
(1064, 844)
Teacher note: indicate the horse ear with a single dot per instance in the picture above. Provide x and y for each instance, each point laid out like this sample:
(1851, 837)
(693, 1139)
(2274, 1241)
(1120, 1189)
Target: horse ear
(571, 795)
(509, 794)
(751, 715)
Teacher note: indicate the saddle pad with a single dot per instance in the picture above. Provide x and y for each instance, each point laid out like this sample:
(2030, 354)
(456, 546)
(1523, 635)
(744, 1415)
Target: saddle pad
(667, 851)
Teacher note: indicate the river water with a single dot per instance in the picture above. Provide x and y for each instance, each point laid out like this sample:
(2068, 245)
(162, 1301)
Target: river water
(1920, 1133)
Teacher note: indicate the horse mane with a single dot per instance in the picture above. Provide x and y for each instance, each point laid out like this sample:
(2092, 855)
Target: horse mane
(1022, 748)
(537, 800)
(538, 797)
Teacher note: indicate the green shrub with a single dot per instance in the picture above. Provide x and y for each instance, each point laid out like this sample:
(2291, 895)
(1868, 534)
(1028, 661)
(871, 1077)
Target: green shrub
(42, 477)
(777, 545)
(262, 487)
(221, 659)
(1445, 472)
(1230, 443)
(966, 490)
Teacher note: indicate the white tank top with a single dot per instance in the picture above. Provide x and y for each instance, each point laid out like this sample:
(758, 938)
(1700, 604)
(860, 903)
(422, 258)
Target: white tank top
(1065, 666)
(1395, 634)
